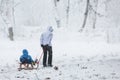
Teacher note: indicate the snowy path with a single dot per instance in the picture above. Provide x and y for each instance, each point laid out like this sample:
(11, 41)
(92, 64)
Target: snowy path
(74, 69)
(76, 61)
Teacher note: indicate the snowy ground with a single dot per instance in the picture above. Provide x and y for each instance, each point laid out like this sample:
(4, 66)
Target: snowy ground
(77, 58)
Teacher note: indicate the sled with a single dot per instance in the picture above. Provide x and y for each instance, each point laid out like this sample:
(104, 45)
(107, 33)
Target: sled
(27, 66)
(19, 69)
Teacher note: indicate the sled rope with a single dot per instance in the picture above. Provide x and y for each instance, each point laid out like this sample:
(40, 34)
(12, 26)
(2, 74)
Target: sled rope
(39, 60)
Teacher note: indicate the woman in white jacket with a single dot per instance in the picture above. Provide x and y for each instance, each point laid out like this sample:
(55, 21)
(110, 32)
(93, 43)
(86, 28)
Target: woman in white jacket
(46, 45)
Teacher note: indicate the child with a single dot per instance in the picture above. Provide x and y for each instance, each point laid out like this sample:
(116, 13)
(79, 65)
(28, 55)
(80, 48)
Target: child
(26, 59)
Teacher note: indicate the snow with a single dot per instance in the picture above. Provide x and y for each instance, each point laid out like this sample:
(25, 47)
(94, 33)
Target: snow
(93, 54)
(76, 56)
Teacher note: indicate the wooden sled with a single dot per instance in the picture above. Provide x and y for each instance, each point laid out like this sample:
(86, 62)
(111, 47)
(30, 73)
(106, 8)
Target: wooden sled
(27, 66)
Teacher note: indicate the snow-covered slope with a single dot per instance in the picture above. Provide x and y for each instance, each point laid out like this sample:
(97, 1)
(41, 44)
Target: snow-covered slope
(77, 57)
(74, 69)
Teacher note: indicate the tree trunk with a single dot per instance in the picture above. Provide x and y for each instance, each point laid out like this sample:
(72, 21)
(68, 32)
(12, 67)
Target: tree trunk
(67, 13)
(55, 3)
(10, 30)
(95, 15)
(57, 17)
(10, 16)
(7, 14)
(86, 15)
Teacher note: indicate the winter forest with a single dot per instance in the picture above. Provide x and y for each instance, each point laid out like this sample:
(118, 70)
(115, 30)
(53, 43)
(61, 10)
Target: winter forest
(83, 16)
(86, 38)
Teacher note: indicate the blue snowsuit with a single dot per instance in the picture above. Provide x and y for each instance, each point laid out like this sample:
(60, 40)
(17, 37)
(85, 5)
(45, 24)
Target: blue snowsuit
(25, 58)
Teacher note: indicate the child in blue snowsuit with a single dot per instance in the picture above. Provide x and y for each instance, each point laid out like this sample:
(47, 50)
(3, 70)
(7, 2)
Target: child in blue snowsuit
(26, 59)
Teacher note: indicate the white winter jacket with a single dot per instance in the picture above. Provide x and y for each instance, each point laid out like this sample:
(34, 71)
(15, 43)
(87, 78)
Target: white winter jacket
(47, 36)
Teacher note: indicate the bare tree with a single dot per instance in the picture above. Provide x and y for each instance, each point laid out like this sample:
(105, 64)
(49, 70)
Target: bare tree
(94, 12)
(7, 14)
(57, 19)
(86, 15)
(67, 13)
(95, 15)
(55, 2)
